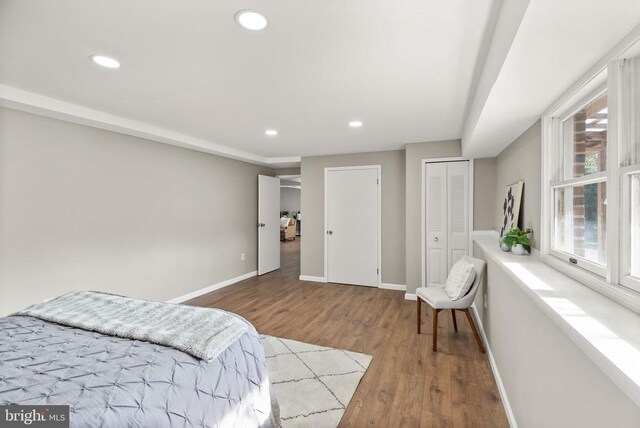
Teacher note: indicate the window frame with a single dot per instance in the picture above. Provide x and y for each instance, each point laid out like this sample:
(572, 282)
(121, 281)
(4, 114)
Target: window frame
(626, 279)
(552, 182)
(607, 76)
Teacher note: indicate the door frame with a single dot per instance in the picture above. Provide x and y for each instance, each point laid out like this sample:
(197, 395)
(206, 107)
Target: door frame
(378, 169)
(423, 220)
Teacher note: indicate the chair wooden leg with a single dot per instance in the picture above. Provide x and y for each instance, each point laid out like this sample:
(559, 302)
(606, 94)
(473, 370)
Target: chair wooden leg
(435, 329)
(419, 317)
(455, 322)
(475, 331)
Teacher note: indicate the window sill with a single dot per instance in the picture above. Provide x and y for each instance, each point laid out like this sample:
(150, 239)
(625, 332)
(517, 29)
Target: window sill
(606, 331)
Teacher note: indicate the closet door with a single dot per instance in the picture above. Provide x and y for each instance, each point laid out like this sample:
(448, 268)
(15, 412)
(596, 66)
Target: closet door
(458, 211)
(447, 218)
(436, 230)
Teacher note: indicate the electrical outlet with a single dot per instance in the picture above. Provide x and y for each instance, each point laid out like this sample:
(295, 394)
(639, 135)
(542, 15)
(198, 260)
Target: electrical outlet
(241, 256)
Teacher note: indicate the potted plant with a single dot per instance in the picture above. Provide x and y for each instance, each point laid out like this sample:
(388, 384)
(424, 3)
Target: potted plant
(518, 240)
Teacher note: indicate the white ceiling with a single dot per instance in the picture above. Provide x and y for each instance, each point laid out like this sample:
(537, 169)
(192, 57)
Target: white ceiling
(403, 68)
(415, 70)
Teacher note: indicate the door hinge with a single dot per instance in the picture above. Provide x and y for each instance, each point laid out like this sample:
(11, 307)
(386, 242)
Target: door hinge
(377, 181)
(378, 271)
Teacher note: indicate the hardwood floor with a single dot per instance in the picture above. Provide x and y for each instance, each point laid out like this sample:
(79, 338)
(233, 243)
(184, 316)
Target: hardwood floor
(407, 384)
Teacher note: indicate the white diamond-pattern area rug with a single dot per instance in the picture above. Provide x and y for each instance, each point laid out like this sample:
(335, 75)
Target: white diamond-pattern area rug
(313, 384)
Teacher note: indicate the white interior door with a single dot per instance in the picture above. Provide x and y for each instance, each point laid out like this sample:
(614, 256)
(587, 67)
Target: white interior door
(436, 223)
(268, 224)
(352, 219)
(458, 211)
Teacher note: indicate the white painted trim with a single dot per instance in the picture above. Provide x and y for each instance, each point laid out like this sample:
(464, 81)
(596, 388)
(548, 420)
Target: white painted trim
(387, 286)
(410, 296)
(312, 278)
(494, 368)
(211, 288)
(423, 218)
(31, 102)
(378, 168)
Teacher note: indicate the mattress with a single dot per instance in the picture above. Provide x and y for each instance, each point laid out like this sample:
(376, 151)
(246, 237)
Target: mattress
(115, 382)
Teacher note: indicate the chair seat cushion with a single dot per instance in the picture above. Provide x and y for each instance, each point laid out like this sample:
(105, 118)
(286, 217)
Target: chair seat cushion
(437, 298)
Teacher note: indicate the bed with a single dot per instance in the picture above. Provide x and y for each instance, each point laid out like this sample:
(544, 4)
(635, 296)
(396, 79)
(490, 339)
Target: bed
(114, 381)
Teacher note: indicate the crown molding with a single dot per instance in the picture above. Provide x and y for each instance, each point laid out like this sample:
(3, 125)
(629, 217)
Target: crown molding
(31, 102)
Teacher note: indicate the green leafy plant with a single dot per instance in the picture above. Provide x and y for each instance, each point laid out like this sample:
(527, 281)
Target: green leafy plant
(518, 236)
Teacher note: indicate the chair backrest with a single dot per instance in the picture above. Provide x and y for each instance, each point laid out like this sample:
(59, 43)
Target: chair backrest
(479, 267)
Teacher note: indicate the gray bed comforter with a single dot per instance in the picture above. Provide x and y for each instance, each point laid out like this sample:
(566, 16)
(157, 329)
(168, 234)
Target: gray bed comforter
(115, 382)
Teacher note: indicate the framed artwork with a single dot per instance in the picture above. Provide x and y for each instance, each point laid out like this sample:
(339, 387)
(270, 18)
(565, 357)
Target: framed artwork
(511, 207)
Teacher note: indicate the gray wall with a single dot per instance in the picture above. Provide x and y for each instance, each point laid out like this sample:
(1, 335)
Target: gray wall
(521, 160)
(393, 226)
(287, 171)
(484, 190)
(289, 199)
(550, 382)
(83, 208)
(414, 154)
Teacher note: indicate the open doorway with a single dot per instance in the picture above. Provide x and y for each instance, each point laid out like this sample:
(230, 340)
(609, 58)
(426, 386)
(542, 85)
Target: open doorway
(290, 216)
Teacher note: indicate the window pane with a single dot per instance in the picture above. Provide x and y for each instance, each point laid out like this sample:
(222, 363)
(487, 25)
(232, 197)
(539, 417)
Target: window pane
(585, 140)
(580, 221)
(635, 225)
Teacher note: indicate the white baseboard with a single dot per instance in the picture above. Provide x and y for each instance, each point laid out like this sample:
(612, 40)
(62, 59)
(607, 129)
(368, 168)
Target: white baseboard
(410, 296)
(211, 288)
(313, 278)
(388, 286)
(496, 374)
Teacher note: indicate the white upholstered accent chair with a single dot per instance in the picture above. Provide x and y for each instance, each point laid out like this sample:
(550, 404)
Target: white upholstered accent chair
(436, 297)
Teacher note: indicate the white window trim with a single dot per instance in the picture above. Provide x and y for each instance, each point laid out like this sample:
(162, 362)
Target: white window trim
(625, 291)
(556, 163)
(625, 217)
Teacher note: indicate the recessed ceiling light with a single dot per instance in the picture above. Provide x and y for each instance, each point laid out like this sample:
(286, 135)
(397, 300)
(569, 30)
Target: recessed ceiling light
(105, 61)
(251, 20)
(355, 124)
(271, 132)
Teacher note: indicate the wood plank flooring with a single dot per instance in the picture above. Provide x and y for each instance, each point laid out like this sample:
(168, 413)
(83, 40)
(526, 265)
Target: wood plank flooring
(407, 383)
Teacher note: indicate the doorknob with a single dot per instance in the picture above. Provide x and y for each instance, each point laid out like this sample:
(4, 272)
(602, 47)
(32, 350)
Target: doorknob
(435, 239)
(329, 232)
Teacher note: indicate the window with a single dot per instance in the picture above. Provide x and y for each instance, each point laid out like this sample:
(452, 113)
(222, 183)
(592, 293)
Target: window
(630, 274)
(591, 214)
(634, 268)
(579, 192)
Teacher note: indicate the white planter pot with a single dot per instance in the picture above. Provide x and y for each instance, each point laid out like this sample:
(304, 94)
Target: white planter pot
(518, 249)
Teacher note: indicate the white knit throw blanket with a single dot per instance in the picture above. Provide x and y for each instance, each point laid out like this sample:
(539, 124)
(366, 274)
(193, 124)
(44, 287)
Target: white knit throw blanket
(201, 332)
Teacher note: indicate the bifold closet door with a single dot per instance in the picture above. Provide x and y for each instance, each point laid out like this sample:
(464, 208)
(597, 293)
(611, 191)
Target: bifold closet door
(351, 235)
(447, 218)
(436, 223)
(458, 211)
